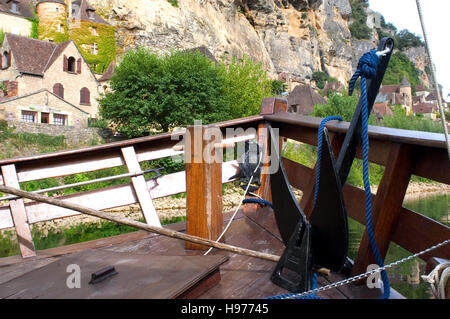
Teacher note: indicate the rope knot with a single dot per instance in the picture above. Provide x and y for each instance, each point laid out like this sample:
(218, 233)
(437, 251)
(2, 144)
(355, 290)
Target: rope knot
(367, 68)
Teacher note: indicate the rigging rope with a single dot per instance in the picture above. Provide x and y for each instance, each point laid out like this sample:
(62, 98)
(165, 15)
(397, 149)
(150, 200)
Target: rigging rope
(433, 74)
(367, 69)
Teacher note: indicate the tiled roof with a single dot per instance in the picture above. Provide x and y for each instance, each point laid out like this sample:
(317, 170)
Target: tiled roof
(424, 108)
(84, 15)
(25, 9)
(33, 56)
(389, 89)
(109, 73)
(382, 109)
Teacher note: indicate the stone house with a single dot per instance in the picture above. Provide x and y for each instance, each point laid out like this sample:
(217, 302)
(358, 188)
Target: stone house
(33, 65)
(44, 107)
(396, 94)
(14, 15)
(303, 99)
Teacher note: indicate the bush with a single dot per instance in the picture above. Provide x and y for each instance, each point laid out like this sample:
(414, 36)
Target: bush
(245, 85)
(159, 93)
(400, 66)
(359, 28)
(411, 122)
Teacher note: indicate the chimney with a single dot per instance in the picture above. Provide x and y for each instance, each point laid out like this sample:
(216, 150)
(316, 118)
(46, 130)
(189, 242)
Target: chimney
(69, 12)
(12, 88)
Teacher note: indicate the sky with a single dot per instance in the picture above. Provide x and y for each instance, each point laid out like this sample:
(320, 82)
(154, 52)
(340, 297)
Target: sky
(404, 15)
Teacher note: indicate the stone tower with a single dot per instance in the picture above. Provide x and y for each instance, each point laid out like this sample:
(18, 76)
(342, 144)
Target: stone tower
(52, 16)
(406, 92)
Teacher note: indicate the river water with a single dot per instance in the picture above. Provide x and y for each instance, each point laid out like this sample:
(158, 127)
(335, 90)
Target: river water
(405, 278)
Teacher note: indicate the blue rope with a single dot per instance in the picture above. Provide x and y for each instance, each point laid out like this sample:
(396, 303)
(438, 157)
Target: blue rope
(367, 69)
(319, 150)
(257, 201)
(310, 296)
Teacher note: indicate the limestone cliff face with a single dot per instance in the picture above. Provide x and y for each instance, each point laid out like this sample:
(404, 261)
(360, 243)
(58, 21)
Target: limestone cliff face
(294, 36)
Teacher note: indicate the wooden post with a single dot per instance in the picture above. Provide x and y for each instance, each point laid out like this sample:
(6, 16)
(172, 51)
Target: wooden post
(386, 206)
(203, 184)
(140, 187)
(19, 214)
(269, 106)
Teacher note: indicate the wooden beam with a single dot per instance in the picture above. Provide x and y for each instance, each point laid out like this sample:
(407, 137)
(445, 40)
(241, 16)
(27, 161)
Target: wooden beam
(140, 187)
(203, 186)
(109, 197)
(387, 205)
(19, 214)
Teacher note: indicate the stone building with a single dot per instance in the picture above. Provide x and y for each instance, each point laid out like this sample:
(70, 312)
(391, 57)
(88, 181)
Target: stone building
(77, 20)
(14, 15)
(303, 99)
(44, 107)
(396, 94)
(35, 65)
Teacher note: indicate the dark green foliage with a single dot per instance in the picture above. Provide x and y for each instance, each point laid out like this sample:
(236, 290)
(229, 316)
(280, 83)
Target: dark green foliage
(321, 78)
(34, 33)
(405, 39)
(151, 92)
(173, 2)
(359, 28)
(278, 87)
(400, 66)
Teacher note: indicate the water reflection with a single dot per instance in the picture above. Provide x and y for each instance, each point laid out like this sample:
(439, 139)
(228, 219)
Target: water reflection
(405, 278)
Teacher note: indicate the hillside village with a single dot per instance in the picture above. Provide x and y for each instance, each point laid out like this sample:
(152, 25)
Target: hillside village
(58, 78)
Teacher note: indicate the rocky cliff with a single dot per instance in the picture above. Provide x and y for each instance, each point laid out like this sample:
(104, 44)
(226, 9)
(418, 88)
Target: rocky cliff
(294, 36)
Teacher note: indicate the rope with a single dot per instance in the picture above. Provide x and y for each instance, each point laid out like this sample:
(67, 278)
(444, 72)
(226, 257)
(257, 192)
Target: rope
(433, 74)
(239, 206)
(260, 201)
(311, 295)
(366, 274)
(319, 150)
(438, 282)
(367, 69)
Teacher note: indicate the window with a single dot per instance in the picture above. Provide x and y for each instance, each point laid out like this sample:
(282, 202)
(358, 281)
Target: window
(94, 48)
(58, 89)
(85, 96)
(45, 118)
(6, 59)
(61, 28)
(29, 116)
(15, 7)
(71, 64)
(90, 14)
(60, 119)
(94, 31)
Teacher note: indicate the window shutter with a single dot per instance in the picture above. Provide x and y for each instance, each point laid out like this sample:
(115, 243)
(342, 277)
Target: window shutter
(9, 58)
(66, 64)
(85, 96)
(1, 61)
(79, 66)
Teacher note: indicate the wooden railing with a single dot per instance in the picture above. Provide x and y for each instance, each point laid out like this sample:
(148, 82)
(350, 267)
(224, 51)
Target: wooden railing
(402, 153)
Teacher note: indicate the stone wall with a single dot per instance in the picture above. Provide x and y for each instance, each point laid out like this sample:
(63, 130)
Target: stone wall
(74, 136)
(14, 24)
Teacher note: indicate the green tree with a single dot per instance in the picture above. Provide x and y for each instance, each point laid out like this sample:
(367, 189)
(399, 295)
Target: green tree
(399, 66)
(159, 93)
(246, 84)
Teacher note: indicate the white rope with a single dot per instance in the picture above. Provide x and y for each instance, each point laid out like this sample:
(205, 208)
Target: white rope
(239, 206)
(438, 279)
(433, 73)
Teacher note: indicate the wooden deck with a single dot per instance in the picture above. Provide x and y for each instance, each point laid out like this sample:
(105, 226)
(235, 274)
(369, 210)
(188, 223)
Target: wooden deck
(241, 277)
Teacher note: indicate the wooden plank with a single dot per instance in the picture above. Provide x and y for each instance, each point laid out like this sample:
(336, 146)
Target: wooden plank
(140, 187)
(110, 197)
(19, 214)
(386, 207)
(203, 187)
(410, 226)
(139, 276)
